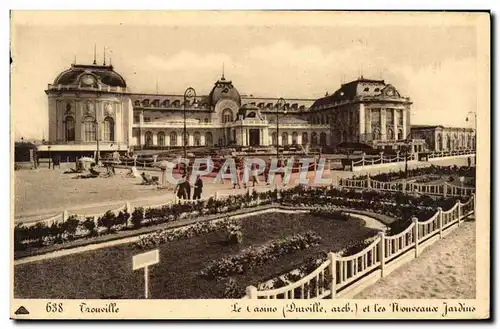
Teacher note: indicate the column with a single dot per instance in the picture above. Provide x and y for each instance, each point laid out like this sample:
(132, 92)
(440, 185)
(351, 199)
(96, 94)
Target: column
(179, 139)
(261, 137)
(142, 139)
(299, 139)
(248, 137)
(361, 122)
(404, 123)
(167, 139)
(243, 137)
(202, 139)
(395, 115)
(368, 123)
(280, 139)
(141, 117)
(383, 130)
(289, 139)
(190, 139)
(155, 139)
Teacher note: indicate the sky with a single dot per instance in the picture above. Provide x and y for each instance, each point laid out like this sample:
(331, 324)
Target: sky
(431, 59)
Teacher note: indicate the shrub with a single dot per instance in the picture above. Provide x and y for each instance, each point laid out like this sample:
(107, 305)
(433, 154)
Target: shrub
(69, 226)
(137, 217)
(107, 220)
(122, 218)
(232, 290)
(89, 225)
(234, 235)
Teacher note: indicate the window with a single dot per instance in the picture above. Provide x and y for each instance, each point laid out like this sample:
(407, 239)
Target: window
(294, 138)
(148, 137)
(377, 90)
(376, 133)
(400, 117)
(197, 139)
(173, 138)
(322, 139)
(145, 103)
(147, 119)
(400, 134)
(314, 138)
(137, 103)
(366, 89)
(275, 140)
(206, 120)
(209, 139)
(89, 129)
(389, 116)
(161, 138)
(227, 116)
(375, 116)
(304, 138)
(137, 118)
(109, 129)
(69, 128)
(390, 134)
(284, 138)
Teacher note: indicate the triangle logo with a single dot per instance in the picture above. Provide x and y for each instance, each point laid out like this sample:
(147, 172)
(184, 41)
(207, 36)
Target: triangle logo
(22, 311)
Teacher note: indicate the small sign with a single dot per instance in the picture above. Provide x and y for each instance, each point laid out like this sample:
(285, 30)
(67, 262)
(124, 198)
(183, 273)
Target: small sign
(145, 259)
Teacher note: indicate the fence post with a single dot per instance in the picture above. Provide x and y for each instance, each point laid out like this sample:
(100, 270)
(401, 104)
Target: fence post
(333, 271)
(474, 203)
(415, 233)
(382, 252)
(216, 195)
(445, 189)
(440, 216)
(369, 182)
(128, 208)
(459, 212)
(381, 157)
(65, 215)
(251, 292)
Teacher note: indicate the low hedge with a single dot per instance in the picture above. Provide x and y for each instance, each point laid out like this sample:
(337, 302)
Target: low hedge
(254, 256)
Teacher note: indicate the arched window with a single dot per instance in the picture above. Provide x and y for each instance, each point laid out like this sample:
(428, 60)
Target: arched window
(173, 138)
(304, 138)
(148, 138)
(209, 139)
(400, 134)
(448, 144)
(89, 129)
(206, 120)
(69, 128)
(322, 139)
(390, 134)
(376, 134)
(161, 138)
(275, 140)
(314, 138)
(284, 138)
(251, 115)
(109, 129)
(227, 116)
(295, 136)
(197, 139)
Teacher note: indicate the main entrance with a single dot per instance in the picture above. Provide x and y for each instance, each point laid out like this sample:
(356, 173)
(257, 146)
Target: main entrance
(254, 137)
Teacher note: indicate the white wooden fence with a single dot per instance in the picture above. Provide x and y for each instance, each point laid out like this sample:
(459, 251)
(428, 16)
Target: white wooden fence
(442, 154)
(344, 277)
(444, 189)
(360, 164)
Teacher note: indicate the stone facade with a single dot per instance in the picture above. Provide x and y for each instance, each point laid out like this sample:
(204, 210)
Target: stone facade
(440, 138)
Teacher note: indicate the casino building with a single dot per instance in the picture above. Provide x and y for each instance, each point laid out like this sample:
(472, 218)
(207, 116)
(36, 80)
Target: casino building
(91, 108)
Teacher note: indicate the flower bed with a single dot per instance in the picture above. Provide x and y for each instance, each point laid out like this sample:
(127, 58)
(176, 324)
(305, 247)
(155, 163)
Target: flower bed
(168, 235)
(255, 256)
(432, 170)
(396, 205)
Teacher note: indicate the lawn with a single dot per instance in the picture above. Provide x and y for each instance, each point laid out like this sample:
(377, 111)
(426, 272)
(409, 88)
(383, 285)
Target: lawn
(107, 273)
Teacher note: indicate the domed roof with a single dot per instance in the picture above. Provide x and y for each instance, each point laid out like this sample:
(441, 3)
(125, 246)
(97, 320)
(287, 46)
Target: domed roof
(104, 73)
(224, 89)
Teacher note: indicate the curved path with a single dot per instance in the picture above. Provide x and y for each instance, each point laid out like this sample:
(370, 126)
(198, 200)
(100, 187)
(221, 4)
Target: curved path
(446, 270)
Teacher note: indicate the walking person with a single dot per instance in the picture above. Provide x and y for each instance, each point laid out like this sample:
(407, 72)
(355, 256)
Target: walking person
(237, 179)
(198, 188)
(187, 188)
(266, 173)
(180, 190)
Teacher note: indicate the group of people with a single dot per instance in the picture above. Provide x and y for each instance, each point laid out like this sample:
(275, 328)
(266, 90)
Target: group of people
(183, 189)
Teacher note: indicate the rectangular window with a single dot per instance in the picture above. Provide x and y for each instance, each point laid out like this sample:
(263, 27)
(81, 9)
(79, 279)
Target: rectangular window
(400, 117)
(389, 116)
(147, 119)
(375, 116)
(137, 119)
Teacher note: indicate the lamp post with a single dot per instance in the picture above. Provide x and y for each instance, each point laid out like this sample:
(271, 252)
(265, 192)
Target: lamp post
(475, 125)
(189, 95)
(279, 104)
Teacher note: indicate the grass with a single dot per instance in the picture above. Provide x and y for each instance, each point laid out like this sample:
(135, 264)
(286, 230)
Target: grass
(107, 273)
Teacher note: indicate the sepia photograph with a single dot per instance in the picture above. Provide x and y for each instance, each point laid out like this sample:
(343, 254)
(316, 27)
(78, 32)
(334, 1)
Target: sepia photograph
(250, 164)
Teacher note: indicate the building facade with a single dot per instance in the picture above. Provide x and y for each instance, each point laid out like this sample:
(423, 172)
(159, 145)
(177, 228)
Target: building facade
(440, 138)
(91, 109)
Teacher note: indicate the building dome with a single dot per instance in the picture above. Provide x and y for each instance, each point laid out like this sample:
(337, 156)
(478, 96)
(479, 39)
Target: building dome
(224, 89)
(86, 74)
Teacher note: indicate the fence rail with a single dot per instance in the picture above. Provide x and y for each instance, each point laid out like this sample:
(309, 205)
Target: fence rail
(444, 189)
(382, 159)
(338, 276)
(442, 154)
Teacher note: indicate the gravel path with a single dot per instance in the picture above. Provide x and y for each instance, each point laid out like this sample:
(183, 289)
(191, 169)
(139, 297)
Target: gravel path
(444, 270)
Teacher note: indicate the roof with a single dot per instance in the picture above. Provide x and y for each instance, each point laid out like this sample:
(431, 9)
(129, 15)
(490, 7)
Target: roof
(104, 73)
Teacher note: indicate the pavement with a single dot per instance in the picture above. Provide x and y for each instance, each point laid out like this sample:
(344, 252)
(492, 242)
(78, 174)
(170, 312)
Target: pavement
(210, 189)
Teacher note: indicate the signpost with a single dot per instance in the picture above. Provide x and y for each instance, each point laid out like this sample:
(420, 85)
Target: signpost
(143, 261)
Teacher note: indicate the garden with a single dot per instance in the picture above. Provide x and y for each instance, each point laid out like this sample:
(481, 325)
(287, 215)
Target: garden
(210, 258)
